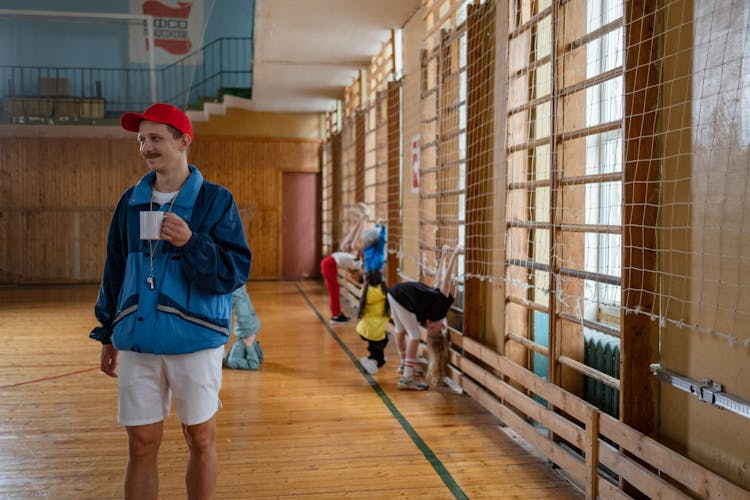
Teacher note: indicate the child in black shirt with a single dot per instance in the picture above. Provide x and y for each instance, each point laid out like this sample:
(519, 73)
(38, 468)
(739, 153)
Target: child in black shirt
(413, 304)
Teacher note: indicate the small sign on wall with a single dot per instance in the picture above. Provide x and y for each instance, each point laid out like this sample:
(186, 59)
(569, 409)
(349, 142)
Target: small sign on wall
(416, 159)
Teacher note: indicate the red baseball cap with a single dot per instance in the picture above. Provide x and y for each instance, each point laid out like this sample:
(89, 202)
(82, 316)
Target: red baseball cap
(159, 113)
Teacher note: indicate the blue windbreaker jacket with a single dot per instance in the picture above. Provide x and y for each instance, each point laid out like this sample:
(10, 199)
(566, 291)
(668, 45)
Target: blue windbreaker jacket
(375, 253)
(190, 308)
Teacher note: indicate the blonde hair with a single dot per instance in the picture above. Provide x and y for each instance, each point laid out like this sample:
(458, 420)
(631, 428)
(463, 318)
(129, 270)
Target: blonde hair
(438, 356)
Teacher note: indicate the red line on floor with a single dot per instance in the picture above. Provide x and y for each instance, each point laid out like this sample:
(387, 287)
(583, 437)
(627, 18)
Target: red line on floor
(49, 378)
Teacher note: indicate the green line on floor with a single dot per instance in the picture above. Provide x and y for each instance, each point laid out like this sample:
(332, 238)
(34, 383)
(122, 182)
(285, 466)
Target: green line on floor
(426, 451)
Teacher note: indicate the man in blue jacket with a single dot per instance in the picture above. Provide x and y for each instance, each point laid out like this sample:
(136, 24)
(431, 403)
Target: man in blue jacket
(165, 304)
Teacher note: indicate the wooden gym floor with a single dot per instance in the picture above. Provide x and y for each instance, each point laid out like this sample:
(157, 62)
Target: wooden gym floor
(309, 424)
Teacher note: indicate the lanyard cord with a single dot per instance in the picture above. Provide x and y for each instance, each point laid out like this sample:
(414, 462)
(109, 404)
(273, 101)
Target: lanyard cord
(151, 247)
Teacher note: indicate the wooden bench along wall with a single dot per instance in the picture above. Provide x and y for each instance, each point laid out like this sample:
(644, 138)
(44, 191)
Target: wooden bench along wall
(582, 439)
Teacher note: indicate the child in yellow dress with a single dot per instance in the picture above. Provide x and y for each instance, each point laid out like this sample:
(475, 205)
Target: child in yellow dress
(374, 313)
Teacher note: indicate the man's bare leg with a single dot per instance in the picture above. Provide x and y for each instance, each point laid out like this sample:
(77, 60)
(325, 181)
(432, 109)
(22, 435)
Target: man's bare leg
(203, 462)
(142, 473)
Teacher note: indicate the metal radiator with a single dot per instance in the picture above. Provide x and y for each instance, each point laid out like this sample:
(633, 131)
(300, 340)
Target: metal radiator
(602, 352)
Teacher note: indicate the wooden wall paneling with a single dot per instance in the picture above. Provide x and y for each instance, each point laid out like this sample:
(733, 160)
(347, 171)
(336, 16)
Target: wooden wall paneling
(11, 183)
(572, 65)
(381, 156)
(516, 322)
(480, 187)
(572, 54)
(575, 12)
(638, 394)
(113, 166)
(370, 170)
(7, 159)
(571, 347)
(324, 205)
(257, 223)
(393, 176)
(51, 181)
(572, 255)
(13, 227)
(518, 127)
(252, 169)
(47, 247)
(279, 239)
(519, 48)
(495, 329)
(521, 204)
(58, 195)
(571, 156)
(446, 175)
(5, 246)
(348, 186)
(558, 343)
(359, 165)
(429, 155)
(571, 122)
(92, 243)
(517, 277)
(336, 189)
(261, 194)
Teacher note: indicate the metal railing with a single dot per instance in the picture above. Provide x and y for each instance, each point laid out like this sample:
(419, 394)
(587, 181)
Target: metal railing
(223, 63)
(202, 74)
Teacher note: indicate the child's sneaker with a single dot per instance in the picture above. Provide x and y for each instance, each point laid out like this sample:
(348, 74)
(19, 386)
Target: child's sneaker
(418, 372)
(369, 365)
(341, 318)
(410, 384)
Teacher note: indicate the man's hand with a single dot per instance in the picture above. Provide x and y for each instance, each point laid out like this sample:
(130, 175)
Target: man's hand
(109, 360)
(175, 230)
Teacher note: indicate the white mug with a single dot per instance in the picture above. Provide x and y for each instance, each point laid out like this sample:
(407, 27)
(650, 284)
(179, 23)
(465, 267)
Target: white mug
(151, 222)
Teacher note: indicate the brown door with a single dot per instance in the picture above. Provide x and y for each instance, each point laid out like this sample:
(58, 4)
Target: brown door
(300, 226)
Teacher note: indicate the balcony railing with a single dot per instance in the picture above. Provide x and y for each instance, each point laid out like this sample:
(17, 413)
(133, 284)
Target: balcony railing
(33, 93)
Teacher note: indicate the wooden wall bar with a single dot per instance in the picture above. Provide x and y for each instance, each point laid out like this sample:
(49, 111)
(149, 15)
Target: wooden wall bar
(640, 347)
(57, 195)
(393, 221)
(480, 184)
(581, 439)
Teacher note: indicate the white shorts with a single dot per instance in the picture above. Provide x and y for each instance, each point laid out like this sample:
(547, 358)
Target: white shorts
(146, 384)
(404, 320)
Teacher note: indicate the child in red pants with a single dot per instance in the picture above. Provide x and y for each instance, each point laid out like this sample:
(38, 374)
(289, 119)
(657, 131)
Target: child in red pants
(329, 267)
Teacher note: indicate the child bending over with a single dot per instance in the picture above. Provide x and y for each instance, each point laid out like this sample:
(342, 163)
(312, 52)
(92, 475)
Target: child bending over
(414, 303)
(373, 320)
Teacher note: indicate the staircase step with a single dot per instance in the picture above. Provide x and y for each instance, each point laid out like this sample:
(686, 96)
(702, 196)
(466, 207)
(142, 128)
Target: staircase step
(201, 111)
(244, 92)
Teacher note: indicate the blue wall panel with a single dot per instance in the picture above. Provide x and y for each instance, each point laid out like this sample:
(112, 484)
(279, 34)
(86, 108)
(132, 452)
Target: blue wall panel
(89, 47)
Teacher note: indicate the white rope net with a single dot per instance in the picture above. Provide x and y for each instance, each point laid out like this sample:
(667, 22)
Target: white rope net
(616, 156)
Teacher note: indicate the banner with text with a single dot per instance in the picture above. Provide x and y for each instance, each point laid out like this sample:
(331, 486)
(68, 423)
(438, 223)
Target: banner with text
(178, 31)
